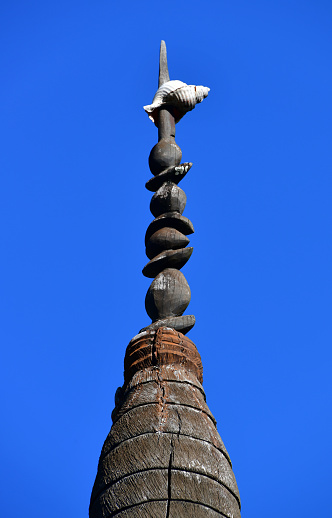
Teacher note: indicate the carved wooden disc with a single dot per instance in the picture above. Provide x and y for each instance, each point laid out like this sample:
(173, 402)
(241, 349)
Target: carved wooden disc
(165, 239)
(173, 174)
(183, 323)
(167, 259)
(170, 219)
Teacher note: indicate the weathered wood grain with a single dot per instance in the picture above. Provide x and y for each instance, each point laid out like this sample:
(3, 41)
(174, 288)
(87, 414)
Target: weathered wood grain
(164, 373)
(200, 457)
(168, 198)
(184, 420)
(162, 347)
(165, 484)
(132, 490)
(202, 489)
(188, 454)
(177, 394)
(165, 239)
(163, 336)
(167, 259)
(155, 509)
(130, 457)
(164, 394)
(183, 509)
(170, 219)
(146, 357)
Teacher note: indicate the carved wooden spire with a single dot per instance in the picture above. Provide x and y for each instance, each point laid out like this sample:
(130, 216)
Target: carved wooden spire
(166, 237)
(163, 457)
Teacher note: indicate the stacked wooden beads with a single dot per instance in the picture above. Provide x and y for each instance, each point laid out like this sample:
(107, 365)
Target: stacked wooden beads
(166, 240)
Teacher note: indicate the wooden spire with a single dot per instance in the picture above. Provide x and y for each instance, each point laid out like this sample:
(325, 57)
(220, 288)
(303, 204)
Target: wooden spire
(166, 237)
(163, 457)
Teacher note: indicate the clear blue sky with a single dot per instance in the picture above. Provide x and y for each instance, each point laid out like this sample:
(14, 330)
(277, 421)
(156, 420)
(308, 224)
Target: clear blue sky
(74, 148)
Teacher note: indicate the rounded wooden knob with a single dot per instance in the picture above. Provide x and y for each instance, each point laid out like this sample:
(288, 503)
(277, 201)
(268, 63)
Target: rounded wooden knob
(169, 295)
(168, 198)
(164, 154)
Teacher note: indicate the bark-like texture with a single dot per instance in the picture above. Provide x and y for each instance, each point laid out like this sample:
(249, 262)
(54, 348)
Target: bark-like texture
(163, 456)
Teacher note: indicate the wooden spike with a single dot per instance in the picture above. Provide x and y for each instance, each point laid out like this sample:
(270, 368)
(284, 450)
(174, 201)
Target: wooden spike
(166, 121)
(163, 67)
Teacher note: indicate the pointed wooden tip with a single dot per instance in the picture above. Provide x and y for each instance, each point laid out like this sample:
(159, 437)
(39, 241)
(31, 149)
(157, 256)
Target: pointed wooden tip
(163, 67)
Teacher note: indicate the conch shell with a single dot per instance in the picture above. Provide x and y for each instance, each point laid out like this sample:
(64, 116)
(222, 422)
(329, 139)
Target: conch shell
(179, 95)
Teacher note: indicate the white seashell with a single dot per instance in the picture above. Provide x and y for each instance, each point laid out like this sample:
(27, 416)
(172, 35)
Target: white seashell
(179, 95)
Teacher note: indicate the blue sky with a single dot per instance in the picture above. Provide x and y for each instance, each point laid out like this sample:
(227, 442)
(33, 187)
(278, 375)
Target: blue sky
(74, 148)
